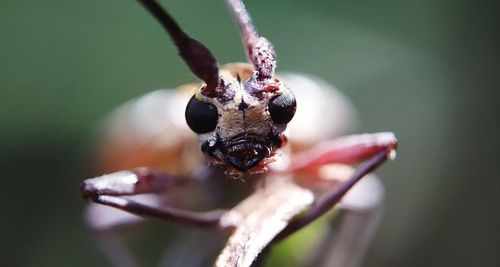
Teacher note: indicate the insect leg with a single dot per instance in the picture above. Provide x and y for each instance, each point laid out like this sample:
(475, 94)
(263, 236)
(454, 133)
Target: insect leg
(347, 150)
(366, 146)
(138, 188)
(112, 190)
(350, 231)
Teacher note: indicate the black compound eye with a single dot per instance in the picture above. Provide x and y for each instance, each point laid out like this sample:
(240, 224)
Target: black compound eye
(282, 108)
(201, 117)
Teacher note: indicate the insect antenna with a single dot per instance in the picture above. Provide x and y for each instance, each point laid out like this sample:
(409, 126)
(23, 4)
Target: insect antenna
(198, 58)
(260, 51)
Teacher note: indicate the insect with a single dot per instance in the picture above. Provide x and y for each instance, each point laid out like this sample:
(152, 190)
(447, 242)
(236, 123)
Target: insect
(240, 116)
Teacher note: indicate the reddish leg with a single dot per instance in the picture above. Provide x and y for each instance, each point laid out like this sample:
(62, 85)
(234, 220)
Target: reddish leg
(128, 197)
(350, 231)
(348, 150)
(110, 190)
(373, 148)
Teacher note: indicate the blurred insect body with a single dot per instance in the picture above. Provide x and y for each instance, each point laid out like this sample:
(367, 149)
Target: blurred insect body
(242, 114)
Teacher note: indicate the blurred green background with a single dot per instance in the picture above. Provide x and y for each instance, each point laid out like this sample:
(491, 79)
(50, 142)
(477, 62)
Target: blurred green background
(427, 70)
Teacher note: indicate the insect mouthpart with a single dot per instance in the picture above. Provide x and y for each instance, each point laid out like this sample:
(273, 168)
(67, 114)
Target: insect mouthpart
(241, 153)
(245, 155)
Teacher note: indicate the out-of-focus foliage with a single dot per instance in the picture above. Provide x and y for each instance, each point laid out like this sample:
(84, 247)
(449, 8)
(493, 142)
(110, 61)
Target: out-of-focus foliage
(427, 70)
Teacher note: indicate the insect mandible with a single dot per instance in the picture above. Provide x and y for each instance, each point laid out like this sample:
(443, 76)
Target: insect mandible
(241, 114)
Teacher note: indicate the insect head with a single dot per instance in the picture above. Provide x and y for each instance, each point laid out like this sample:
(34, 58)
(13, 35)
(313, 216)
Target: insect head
(241, 112)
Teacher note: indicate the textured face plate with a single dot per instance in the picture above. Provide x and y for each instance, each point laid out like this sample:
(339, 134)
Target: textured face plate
(245, 137)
